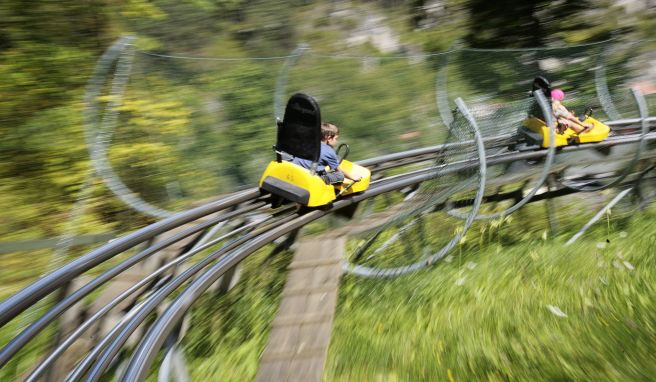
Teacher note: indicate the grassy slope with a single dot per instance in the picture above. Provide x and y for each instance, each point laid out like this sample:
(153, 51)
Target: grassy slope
(533, 310)
(229, 332)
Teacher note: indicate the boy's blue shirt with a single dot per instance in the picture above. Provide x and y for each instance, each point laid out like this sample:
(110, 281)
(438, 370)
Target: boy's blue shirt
(328, 157)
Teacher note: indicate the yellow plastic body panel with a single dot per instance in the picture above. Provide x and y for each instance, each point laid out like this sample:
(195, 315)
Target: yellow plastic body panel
(320, 192)
(539, 126)
(597, 134)
(354, 169)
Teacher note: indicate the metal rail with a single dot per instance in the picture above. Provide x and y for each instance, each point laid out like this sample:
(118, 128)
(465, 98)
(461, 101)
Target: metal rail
(105, 351)
(551, 152)
(39, 325)
(479, 162)
(20, 301)
(59, 350)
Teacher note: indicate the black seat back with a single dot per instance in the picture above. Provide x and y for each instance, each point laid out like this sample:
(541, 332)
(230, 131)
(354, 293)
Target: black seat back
(543, 84)
(539, 83)
(299, 134)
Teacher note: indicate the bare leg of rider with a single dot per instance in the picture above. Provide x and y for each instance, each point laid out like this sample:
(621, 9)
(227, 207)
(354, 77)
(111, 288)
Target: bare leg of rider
(577, 127)
(570, 124)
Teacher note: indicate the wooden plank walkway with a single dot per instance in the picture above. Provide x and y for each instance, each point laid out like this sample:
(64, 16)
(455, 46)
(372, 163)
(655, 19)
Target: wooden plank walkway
(300, 335)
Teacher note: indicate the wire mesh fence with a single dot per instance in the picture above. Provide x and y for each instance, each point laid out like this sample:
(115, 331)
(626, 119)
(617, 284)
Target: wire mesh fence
(189, 127)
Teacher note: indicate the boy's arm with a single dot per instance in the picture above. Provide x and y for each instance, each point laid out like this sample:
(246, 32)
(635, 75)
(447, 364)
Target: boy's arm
(349, 174)
(333, 162)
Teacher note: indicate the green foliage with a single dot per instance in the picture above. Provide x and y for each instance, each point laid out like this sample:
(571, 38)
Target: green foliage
(151, 146)
(247, 95)
(534, 24)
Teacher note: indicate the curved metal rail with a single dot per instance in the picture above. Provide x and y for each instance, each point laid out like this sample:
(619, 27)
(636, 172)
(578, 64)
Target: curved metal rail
(551, 152)
(397, 271)
(98, 138)
(59, 350)
(281, 81)
(601, 86)
(20, 301)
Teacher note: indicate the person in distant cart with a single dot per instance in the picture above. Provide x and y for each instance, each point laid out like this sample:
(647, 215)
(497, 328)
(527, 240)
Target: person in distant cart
(564, 117)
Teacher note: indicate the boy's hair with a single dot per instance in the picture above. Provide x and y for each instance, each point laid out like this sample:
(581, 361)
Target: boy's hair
(328, 130)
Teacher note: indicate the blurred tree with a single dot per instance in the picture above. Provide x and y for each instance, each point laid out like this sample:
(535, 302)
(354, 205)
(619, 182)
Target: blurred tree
(524, 24)
(246, 93)
(542, 23)
(47, 52)
(439, 23)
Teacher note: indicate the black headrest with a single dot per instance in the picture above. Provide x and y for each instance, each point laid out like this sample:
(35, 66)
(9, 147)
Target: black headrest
(299, 134)
(543, 84)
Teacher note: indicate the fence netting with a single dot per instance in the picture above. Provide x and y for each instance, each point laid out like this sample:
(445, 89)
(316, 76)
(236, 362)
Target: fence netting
(192, 127)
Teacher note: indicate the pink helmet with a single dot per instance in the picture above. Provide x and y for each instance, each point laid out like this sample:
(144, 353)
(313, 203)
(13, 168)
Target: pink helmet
(557, 94)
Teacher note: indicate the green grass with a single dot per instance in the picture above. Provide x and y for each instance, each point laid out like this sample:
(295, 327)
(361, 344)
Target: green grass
(490, 311)
(530, 310)
(229, 332)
